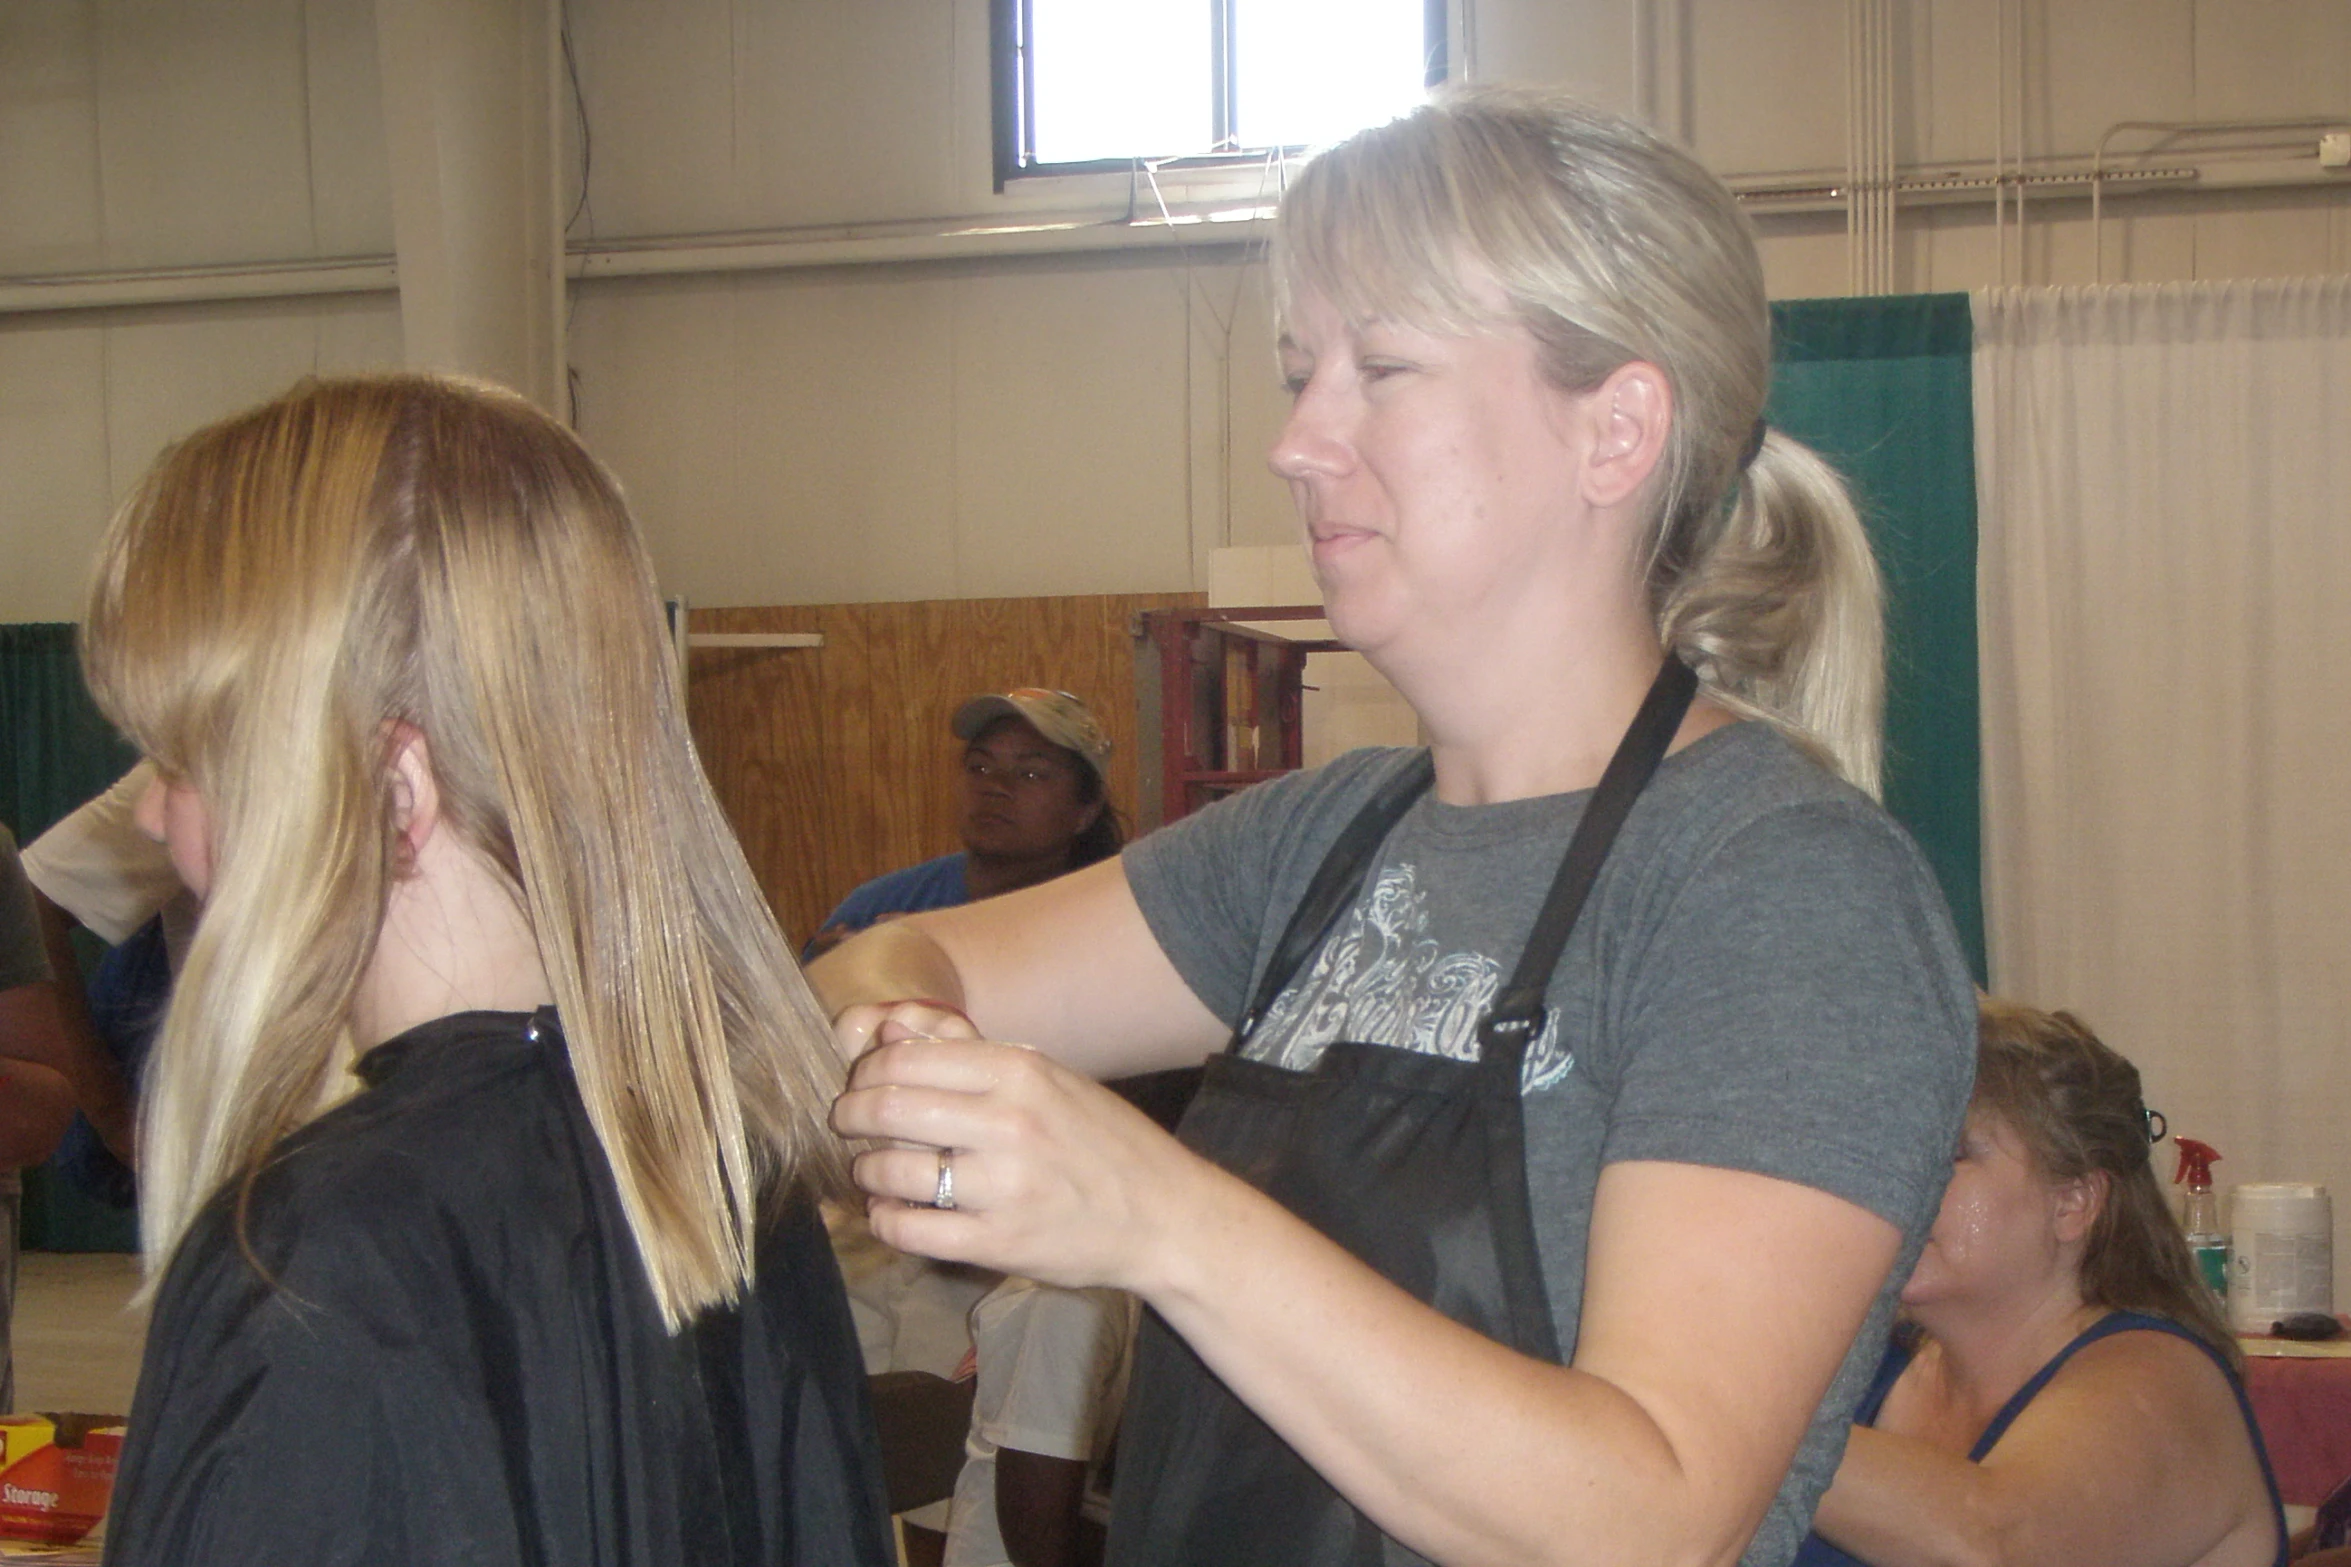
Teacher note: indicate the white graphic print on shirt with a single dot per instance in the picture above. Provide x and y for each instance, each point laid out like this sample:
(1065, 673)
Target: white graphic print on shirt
(1380, 978)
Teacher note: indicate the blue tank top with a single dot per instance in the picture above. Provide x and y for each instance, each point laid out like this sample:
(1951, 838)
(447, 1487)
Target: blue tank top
(1817, 1552)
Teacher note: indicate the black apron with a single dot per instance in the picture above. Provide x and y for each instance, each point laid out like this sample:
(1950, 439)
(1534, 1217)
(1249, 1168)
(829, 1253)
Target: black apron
(1415, 1163)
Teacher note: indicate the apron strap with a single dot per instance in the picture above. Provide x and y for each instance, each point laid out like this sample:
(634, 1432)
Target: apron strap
(1519, 1014)
(1335, 886)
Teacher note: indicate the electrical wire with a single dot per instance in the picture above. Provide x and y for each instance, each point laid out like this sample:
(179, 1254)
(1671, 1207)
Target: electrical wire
(579, 104)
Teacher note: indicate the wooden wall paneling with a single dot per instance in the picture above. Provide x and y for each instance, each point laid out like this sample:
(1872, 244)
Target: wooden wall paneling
(773, 737)
(835, 764)
(842, 733)
(913, 664)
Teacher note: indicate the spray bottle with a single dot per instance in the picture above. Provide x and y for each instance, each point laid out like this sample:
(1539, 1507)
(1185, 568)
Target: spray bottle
(2201, 1216)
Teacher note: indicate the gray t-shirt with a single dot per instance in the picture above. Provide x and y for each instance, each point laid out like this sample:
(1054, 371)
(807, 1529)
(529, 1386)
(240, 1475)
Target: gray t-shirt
(1764, 979)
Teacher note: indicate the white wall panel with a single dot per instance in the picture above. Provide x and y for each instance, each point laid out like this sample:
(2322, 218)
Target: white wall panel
(783, 440)
(2091, 63)
(1769, 84)
(751, 423)
(169, 372)
(1949, 107)
(846, 113)
(2144, 242)
(1255, 505)
(86, 403)
(654, 369)
(2275, 234)
(1805, 261)
(2271, 61)
(1585, 46)
(2152, 240)
(659, 86)
(54, 494)
(922, 432)
(713, 116)
(845, 431)
(203, 136)
(49, 138)
(1070, 431)
(355, 333)
(2148, 240)
(1951, 248)
(350, 182)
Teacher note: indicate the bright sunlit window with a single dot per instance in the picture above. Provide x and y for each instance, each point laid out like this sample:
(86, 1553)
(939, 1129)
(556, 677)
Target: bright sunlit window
(1094, 82)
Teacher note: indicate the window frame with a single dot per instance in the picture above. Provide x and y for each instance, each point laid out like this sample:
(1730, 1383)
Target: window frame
(1012, 94)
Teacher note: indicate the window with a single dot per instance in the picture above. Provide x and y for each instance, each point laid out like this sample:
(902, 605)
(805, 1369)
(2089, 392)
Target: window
(1098, 84)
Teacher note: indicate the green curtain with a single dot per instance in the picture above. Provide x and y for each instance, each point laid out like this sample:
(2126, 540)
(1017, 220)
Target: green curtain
(56, 750)
(1881, 388)
(59, 750)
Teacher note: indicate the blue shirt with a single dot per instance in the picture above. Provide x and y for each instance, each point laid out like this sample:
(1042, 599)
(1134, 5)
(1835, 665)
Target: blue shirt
(934, 884)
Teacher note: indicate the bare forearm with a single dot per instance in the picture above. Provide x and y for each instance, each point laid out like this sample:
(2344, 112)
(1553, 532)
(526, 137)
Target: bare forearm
(45, 1024)
(892, 962)
(1899, 1502)
(99, 1086)
(36, 1106)
(1067, 967)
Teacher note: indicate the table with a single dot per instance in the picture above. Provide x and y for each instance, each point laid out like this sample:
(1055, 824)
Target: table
(2304, 1409)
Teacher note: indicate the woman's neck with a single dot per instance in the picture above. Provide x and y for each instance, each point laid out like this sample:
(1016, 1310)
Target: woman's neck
(454, 940)
(1978, 1354)
(1539, 713)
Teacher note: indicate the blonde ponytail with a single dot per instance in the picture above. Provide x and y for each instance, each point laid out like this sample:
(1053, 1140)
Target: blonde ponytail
(1777, 610)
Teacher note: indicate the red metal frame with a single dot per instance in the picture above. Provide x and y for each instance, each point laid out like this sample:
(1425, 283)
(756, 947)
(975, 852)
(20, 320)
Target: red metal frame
(1200, 652)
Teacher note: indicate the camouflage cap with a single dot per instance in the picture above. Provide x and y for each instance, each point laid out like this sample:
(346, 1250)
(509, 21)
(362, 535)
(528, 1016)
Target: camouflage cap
(1058, 716)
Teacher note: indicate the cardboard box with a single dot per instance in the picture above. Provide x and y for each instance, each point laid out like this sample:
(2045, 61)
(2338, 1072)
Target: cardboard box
(56, 1474)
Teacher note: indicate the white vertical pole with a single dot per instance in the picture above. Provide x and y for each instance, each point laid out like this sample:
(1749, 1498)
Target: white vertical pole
(471, 126)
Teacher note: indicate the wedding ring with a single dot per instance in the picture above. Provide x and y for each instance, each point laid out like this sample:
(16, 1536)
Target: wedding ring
(944, 1196)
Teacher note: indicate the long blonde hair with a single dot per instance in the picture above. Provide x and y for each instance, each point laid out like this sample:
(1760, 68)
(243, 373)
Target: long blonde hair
(286, 587)
(1610, 245)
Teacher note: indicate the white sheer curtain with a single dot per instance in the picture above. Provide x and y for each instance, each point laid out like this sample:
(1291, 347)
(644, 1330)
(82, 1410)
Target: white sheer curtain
(2164, 477)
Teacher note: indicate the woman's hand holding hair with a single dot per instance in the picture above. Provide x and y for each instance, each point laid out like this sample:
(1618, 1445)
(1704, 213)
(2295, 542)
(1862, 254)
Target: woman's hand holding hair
(1055, 1177)
(923, 1017)
(889, 972)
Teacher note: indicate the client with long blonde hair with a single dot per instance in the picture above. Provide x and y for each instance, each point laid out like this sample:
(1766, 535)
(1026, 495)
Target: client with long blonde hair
(481, 1138)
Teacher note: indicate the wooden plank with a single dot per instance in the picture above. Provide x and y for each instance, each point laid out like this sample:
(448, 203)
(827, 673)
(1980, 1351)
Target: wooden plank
(764, 723)
(758, 639)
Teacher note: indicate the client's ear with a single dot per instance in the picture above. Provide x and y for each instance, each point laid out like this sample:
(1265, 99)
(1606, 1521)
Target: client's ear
(2079, 1203)
(416, 797)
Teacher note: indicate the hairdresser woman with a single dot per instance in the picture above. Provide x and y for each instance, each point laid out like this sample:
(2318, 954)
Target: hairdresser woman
(2064, 1388)
(1590, 1072)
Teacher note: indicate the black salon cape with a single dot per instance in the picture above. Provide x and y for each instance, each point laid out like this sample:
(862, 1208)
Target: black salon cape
(461, 1361)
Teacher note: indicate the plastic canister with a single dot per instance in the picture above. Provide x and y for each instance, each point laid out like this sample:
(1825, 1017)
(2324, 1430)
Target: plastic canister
(2281, 1253)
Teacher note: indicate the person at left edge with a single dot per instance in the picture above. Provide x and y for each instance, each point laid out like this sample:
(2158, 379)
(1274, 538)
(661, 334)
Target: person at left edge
(479, 1147)
(36, 1101)
(1031, 806)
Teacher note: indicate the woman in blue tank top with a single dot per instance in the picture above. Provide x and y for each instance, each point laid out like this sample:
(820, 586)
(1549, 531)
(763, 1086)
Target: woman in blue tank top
(2065, 1389)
